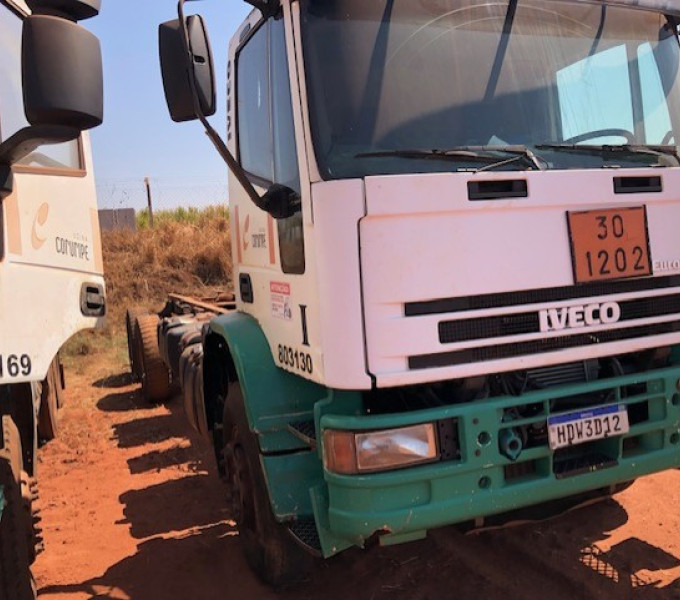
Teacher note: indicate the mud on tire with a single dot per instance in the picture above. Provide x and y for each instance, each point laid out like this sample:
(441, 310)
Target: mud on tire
(131, 316)
(17, 535)
(268, 545)
(155, 376)
(48, 417)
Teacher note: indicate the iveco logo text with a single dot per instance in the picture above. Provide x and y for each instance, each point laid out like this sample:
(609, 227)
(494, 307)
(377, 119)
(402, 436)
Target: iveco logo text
(584, 315)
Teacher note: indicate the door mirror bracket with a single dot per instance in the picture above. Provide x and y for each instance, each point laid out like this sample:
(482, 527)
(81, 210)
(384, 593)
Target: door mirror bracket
(268, 8)
(189, 83)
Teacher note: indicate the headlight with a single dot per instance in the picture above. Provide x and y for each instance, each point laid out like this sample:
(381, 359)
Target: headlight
(349, 452)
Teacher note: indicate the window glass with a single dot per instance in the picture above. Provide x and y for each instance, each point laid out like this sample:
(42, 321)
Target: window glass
(254, 137)
(386, 76)
(595, 95)
(291, 241)
(12, 118)
(11, 102)
(285, 154)
(654, 108)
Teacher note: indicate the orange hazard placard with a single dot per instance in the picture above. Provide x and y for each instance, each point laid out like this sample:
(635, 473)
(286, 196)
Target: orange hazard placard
(609, 244)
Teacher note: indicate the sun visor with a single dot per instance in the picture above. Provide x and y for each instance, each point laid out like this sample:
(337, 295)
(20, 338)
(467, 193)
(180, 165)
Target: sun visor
(668, 7)
(76, 10)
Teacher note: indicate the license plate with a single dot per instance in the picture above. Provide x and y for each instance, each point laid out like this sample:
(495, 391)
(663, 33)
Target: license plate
(609, 244)
(569, 429)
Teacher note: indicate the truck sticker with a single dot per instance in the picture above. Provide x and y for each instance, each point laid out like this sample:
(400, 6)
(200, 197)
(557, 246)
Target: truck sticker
(72, 248)
(295, 359)
(303, 319)
(15, 364)
(246, 228)
(38, 238)
(280, 299)
(664, 266)
(259, 239)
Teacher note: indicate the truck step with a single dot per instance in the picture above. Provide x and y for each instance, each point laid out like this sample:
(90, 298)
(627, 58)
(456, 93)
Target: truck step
(305, 532)
(304, 430)
(594, 461)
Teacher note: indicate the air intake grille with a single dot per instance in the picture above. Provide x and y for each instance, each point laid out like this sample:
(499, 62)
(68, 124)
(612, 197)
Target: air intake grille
(447, 305)
(499, 351)
(523, 323)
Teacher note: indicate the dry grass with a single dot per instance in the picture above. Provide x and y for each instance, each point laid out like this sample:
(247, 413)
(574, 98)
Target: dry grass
(141, 267)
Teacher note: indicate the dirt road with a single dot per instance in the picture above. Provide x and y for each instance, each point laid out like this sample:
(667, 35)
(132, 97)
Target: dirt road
(132, 509)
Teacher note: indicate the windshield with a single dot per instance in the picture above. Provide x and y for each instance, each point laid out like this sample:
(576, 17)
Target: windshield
(392, 75)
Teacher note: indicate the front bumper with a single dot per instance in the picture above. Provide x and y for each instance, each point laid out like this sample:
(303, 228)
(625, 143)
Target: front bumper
(480, 481)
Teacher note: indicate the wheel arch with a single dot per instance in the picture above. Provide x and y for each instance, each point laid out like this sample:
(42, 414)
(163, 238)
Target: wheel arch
(235, 348)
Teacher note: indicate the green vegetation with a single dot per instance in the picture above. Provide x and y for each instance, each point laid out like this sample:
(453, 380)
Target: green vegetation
(187, 216)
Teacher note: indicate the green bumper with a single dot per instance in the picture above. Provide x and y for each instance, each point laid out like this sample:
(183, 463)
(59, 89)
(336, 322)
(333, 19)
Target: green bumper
(481, 481)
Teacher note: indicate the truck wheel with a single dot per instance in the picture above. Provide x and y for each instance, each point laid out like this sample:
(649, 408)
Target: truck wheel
(155, 376)
(17, 545)
(131, 316)
(268, 545)
(48, 417)
(60, 381)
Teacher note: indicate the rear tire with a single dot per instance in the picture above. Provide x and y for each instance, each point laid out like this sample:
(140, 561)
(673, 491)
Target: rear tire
(61, 381)
(17, 537)
(131, 316)
(268, 545)
(48, 416)
(155, 376)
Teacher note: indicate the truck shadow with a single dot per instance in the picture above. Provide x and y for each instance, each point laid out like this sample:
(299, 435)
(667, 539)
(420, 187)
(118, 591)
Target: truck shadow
(188, 546)
(114, 381)
(157, 460)
(174, 506)
(205, 563)
(147, 430)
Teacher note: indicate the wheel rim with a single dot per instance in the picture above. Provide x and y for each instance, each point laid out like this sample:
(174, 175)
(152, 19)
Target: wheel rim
(239, 483)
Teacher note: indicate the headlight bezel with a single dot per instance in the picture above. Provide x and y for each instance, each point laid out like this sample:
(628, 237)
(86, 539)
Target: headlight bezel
(373, 451)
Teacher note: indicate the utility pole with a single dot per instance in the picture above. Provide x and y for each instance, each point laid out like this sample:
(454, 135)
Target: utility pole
(147, 183)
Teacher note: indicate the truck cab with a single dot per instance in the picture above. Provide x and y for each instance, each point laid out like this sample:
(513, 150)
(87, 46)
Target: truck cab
(471, 302)
(51, 272)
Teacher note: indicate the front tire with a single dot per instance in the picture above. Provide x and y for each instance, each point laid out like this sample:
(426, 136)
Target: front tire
(268, 545)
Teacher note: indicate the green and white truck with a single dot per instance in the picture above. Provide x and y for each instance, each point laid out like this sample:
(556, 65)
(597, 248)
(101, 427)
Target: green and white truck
(456, 261)
(51, 282)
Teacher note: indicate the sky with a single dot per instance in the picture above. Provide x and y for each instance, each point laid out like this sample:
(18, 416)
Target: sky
(138, 138)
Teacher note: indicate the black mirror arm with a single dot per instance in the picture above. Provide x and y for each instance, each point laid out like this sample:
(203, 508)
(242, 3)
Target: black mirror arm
(215, 137)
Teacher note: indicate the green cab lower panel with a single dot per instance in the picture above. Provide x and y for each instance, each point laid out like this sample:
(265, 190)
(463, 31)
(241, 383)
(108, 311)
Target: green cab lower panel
(481, 480)
(478, 477)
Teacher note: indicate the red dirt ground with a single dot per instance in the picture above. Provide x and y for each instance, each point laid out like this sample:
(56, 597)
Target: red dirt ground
(133, 509)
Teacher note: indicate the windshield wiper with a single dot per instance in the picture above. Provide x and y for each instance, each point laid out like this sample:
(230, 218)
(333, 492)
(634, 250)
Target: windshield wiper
(485, 154)
(605, 149)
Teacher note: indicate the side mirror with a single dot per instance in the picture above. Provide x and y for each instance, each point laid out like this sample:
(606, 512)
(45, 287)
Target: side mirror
(62, 86)
(180, 65)
(62, 74)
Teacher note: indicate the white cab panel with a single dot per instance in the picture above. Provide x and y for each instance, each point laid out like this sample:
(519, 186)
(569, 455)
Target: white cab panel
(423, 240)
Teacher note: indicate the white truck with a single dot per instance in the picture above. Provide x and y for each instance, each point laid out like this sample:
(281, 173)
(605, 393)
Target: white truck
(457, 266)
(51, 282)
